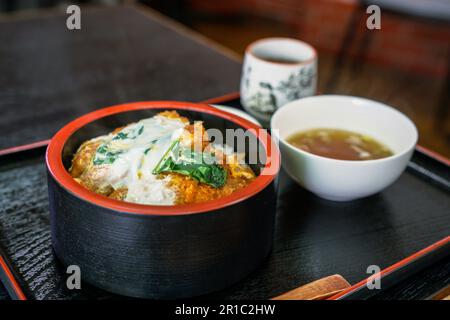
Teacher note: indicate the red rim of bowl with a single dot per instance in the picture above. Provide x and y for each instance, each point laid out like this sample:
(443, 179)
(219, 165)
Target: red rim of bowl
(63, 178)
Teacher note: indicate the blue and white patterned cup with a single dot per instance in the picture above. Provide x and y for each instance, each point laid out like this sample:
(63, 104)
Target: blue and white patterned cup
(277, 71)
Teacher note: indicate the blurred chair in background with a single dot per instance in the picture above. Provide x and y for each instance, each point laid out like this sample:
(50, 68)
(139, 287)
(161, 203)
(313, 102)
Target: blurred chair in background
(13, 5)
(429, 11)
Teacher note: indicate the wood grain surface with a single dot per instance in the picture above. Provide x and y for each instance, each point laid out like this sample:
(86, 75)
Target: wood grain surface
(50, 75)
(3, 293)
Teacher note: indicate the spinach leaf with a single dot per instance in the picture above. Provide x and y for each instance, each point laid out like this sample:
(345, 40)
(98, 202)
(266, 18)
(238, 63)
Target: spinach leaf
(104, 156)
(134, 134)
(194, 164)
(152, 144)
(120, 136)
(102, 149)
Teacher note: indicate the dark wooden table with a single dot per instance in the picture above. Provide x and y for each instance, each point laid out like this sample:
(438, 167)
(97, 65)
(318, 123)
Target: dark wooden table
(49, 75)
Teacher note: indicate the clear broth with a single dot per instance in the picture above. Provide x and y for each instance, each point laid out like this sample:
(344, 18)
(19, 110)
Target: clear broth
(339, 144)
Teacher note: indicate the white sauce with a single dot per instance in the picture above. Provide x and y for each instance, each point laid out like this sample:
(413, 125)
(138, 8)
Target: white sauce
(139, 147)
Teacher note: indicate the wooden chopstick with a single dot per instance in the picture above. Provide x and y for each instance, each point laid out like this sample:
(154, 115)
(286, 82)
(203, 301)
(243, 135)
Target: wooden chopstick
(317, 290)
(443, 294)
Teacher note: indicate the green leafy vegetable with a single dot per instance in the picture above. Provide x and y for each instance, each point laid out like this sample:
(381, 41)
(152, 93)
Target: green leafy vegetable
(102, 149)
(152, 144)
(104, 156)
(200, 166)
(123, 135)
(120, 136)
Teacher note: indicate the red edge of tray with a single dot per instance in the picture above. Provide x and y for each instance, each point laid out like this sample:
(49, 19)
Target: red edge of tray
(393, 267)
(20, 295)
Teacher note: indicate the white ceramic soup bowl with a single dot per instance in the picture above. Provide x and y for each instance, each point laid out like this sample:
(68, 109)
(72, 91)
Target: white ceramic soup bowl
(344, 180)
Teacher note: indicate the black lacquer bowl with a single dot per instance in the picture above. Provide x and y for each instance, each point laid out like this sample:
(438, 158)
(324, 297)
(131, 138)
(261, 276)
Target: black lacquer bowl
(160, 251)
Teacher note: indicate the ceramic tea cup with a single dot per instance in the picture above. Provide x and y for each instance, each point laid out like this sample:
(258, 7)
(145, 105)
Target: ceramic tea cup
(277, 71)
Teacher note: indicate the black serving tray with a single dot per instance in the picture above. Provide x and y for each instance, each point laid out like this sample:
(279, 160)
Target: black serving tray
(313, 238)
